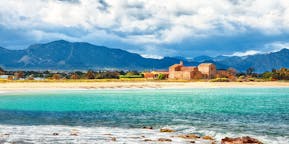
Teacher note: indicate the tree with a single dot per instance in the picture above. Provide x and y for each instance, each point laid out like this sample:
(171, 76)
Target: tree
(267, 75)
(90, 75)
(74, 76)
(250, 71)
(18, 75)
(56, 76)
(231, 71)
(2, 71)
(107, 75)
(130, 73)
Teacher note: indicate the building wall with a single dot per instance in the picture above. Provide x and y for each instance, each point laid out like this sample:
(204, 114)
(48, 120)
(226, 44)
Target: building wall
(208, 69)
(205, 70)
(197, 75)
(149, 75)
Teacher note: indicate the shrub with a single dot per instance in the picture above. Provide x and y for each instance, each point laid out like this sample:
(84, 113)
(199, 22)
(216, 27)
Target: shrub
(56, 76)
(131, 76)
(74, 76)
(161, 77)
(251, 79)
(241, 77)
(90, 75)
(220, 80)
(240, 80)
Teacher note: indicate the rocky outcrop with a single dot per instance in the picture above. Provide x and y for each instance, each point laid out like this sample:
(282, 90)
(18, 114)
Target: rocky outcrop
(55, 134)
(240, 140)
(166, 130)
(164, 140)
(207, 138)
(113, 139)
(147, 127)
(189, 136)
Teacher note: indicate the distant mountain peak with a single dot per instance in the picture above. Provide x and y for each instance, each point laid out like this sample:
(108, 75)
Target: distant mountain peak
(65, 55)
(284, 50)
(202, 58)
(59, 41)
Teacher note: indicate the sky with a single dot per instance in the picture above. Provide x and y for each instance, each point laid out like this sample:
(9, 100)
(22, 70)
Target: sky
(152, 28)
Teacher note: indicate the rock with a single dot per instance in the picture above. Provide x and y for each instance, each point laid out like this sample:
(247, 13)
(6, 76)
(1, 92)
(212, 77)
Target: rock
(166, 130)
(147, 127)
(240, 140)
(164, 140)
(147, 140)
(208, 138)
(135, 137)
(189, 136)
(113, 139)
(55, 134)
(74, 134)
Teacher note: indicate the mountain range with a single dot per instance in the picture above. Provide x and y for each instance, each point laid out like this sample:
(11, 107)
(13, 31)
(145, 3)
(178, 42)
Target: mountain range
(260, 62)
(64, 55)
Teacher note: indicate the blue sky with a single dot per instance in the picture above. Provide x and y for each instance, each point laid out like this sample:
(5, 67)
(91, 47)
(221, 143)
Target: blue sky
(152, 28)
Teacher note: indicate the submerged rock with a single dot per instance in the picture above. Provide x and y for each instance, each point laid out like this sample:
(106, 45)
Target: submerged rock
(146, 140)
(74, 134)
(113, 138)
(208, 138)
(147, 127)
(164, 140)
(55, 134)
(166, 130)
(240, 140)
(189, 136)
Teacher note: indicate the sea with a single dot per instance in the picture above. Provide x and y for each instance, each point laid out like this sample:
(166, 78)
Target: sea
(124, 115)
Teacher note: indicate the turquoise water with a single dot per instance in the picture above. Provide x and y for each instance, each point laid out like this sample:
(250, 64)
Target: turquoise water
(262, 112)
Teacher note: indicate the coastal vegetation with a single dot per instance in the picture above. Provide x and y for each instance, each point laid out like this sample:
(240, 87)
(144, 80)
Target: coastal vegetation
(90, 75)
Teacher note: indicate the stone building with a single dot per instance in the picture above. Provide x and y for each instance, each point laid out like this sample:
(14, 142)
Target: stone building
(208, 70)
(179, 71)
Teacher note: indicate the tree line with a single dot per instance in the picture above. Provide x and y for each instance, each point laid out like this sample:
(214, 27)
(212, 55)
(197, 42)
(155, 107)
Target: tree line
(231, 74)
(90, 74)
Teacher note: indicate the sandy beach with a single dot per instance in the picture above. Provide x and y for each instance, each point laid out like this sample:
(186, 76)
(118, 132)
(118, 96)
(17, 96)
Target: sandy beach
(18, 86)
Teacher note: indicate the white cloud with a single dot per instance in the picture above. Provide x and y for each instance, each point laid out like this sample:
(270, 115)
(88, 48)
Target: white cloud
(246, 53)
(276, 46)
(267, 48)
(150, 25)
(154, 21)
(152, 56)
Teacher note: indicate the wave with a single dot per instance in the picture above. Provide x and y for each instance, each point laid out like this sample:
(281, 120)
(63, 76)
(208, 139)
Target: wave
(79, 134)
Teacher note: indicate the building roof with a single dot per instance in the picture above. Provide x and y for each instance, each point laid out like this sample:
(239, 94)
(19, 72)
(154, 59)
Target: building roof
(206, 64)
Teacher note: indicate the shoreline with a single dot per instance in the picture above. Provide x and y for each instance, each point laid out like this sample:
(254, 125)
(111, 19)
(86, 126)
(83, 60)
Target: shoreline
(122, 135)
(32, 86)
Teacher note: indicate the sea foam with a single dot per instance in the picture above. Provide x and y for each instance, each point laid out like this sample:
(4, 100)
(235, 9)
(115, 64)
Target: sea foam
(78, 134)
